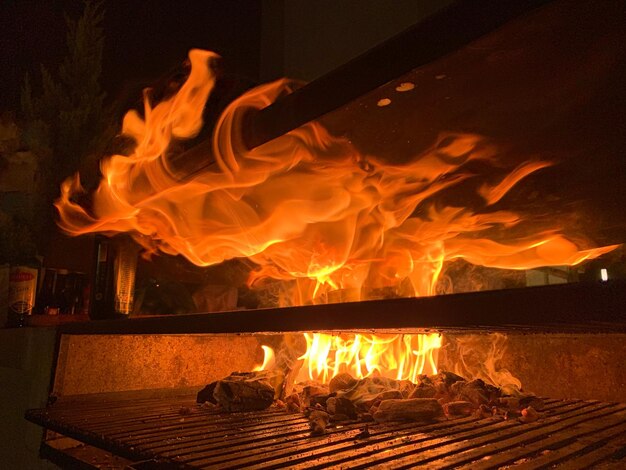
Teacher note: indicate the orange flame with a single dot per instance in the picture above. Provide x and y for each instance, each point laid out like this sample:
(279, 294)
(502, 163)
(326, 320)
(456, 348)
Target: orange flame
(306, 207)
(397, 357)
(400, 356)
(269, 359)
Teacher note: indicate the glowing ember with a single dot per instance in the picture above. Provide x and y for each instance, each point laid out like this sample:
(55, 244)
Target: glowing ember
(307, 207)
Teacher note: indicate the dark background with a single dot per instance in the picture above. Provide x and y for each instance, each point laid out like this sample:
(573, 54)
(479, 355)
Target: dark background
(143, 40)
(260, 40)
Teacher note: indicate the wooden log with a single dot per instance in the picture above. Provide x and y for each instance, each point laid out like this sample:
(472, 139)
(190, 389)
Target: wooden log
(206, 394)
(341, 406)
(387, 395)
(459, 408)
(412, 409)
(363, 394)
(476, 391)
(532, 401)
(247, 391)
(423, 390)
(341, 381)
(529, 415)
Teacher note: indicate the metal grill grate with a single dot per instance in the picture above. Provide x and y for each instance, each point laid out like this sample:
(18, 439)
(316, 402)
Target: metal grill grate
(175, 431)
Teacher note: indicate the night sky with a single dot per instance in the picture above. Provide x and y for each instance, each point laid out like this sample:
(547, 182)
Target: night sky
(143, 40)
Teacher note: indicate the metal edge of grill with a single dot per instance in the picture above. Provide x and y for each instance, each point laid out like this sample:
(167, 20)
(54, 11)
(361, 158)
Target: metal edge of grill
(178, 433)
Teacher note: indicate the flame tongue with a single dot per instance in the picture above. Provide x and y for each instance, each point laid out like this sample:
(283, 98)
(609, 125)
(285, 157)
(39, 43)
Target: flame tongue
(400, 357)
(306, 207)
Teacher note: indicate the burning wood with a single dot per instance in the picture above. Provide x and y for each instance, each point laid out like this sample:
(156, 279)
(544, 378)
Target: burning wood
(458, 408)
(529, 415)
(341, 408)
(247, 391)
(318, 421)
(441, 396)
(410, 409)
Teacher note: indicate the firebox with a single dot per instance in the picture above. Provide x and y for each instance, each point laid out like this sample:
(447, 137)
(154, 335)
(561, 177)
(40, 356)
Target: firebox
(456, 191)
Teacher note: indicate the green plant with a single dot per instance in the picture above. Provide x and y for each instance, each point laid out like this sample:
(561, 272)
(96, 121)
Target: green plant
(65, 120)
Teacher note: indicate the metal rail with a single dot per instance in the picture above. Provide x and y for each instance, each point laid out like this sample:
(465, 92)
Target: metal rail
(589, 307)
(176, 433)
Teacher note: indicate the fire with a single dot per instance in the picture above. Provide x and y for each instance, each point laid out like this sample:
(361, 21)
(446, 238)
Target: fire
(308, 208)
(400, 357)
(269, 359)
(395, 356)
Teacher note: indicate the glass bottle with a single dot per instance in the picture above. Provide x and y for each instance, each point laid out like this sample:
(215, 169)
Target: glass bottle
(22, 291)
(45, 297)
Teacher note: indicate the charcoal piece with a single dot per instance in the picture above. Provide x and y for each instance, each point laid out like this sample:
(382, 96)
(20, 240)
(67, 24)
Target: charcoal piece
(532, 401)
(341, 406)
(338, 418)
(413, 409)
(386, 395)
(319, 400)
(318, 421)
(476, 391)
(273, 377)
(406, 387)
(424, 379)
(364, 433)
(364, 392)
(529, 415)
(510, 403)
(459, 408)
(341, 381)
(448, 378)
(244, 393)
(314, 394)
(443, 383)
(206, 394)
(423, 390)
(293, 402)
(483, 412)
(511, 414)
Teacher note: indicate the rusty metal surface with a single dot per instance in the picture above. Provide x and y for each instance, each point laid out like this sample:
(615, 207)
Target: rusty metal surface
(178, 433)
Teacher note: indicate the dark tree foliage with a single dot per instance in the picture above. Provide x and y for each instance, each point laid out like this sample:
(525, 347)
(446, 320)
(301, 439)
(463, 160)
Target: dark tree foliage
(65, 118)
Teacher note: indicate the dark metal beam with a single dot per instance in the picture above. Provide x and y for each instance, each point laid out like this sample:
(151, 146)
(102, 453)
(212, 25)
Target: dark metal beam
(595, 306)
(439, 34)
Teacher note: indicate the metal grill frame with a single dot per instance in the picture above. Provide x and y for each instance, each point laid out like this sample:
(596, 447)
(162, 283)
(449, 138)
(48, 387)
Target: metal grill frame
(175, 432)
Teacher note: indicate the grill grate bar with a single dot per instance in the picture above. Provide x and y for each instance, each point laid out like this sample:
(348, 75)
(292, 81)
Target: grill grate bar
(370, 450)
(590, 448)
(103, 416)
(542, 439)
(137, 423)
(139, 435)
(344, 437)
(335, 443)
(574, 433)
(342, 434)
(229, 434)
(513, 436)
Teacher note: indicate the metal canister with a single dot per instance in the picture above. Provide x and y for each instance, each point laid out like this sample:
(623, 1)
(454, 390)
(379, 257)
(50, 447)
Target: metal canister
(22, 290)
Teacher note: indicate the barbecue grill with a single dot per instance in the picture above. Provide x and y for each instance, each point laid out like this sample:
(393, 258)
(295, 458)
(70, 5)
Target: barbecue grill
(123, 392)
(97, 418)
